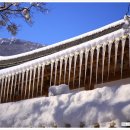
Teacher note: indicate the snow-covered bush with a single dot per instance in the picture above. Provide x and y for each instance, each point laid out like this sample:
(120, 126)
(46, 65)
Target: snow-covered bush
(57, 90)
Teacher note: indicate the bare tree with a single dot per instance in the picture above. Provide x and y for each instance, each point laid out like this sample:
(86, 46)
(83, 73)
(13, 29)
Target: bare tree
(8, 11)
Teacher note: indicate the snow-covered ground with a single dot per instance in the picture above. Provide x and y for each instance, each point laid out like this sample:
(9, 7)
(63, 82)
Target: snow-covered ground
(104, 107)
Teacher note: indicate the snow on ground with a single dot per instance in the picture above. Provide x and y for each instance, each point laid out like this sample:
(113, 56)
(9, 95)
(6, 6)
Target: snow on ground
(102, 106)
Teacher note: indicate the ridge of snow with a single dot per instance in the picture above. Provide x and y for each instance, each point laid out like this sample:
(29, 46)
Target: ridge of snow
(65, 41)
(102, 105)
(56, 56)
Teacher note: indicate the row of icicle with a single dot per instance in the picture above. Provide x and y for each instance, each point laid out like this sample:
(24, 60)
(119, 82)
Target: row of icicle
(8, 83)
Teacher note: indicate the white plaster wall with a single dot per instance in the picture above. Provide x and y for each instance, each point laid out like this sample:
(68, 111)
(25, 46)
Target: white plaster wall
(117, 83)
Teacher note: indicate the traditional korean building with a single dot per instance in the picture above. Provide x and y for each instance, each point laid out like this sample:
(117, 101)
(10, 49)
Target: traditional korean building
(96, 57)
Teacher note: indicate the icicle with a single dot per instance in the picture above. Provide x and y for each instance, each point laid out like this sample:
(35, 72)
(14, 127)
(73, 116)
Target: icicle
(19, 81)
(129, 50)
(98, 50)
(56, 63)
(116, 50)
(1, 94)
(122, 53)
(66, 59)
(91, 67)
(22, 83)
(86, 64)
(5, 87)
(75, 60)
(42, 77)
(52, 66)
(109, 57)
(103, 59)
(61, 62)
(34, 73)
(15, 82)
(26, 83)
(80, 67)
(38, 77)
(7, 94)
(12, 81)
(70, 62)
(30, 81)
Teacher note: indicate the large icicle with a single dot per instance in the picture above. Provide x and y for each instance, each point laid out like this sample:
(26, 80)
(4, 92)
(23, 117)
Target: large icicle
(5, 88)
(80, 67)
(38, 78)
(11, 87)
(19, 81)
(70, 62)
(109, 57)
(8, 86)
(86, 64)
(26, 83)
(30, 81)
(52, 66)
(56, 63)
(66, 59)
(42, 78)
(34, 73)
(98, 50)
(116, 51)
(129, 50)
(103, 59)
(91, 67)
(15, 82)
(61, 62)
(1, 94)
(75, 60)
(22, 83)
(122, 53)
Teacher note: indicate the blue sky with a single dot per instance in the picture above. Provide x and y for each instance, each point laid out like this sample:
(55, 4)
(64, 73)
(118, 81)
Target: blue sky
(66, 20)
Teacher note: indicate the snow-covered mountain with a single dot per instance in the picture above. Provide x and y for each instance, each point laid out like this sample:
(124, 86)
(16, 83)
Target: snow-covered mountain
(16, 46)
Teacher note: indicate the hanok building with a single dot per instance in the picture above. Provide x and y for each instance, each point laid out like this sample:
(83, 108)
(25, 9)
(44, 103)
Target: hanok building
(96, 57)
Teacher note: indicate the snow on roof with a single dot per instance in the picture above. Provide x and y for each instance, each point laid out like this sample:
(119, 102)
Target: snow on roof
(65, 41)
(62, 54)
(103, 106)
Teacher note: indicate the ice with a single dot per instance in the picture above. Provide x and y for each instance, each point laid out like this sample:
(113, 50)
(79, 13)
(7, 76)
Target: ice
(116, 50)
(8, 85)
(109, 57)
(30, 82)
(75, 61)
(22, 86)
(70, 62)
(61, 62)
(86, 64)
(1, 93)
(91, 66)
(52, 64)
(66, 59)
(26, 83)
(80, 65)
(42, 78)
(38, 78)
(12, 82)
(103, 59)
(122, 53)
(98, 50)
(56, 64)
(34, 73)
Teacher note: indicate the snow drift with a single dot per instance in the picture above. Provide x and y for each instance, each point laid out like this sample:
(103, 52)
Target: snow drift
(87, 108)
(57, 90)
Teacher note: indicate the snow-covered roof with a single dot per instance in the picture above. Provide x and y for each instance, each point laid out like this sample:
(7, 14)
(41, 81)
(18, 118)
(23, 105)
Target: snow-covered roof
(104, 40)
(65, 41)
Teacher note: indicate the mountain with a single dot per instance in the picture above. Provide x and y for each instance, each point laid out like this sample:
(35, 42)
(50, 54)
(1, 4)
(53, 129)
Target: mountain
(16, 46)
